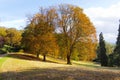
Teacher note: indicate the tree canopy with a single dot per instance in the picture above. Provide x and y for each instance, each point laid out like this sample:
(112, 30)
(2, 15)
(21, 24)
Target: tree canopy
(76, 27)
(65, 28)
(40, 33)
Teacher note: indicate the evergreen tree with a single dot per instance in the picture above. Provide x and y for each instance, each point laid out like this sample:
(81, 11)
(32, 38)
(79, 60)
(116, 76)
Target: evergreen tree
(116, 54)
(103, 56)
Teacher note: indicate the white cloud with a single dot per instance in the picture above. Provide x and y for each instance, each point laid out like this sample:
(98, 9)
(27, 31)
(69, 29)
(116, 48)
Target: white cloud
(105, 20)
(110, 37)
(19, 24)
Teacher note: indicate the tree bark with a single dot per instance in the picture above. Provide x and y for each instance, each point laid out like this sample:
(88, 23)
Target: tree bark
(69, 55)
(37, 55)
(68, 59)
(44, 57)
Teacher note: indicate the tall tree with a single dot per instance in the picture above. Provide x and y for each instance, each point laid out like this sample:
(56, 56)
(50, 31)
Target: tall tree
(103, 56)
(40, 33)
(71, 25)
(109, 51)
(76, 27)
(116, 54)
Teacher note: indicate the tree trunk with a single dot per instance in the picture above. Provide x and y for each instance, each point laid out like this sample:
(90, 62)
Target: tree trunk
(69, 55)
(68, 59)
(44, 57)
(37, 55)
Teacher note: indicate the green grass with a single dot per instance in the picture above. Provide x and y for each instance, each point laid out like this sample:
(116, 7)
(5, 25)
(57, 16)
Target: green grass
(87, 64)
(2, 60)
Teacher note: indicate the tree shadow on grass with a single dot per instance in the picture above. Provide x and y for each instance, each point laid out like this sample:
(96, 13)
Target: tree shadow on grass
(60, 73)
(24, 57)
(28, 57)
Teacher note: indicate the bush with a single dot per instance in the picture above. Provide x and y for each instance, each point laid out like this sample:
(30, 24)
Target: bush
(3, 51)
(16, 49)
(8, 48)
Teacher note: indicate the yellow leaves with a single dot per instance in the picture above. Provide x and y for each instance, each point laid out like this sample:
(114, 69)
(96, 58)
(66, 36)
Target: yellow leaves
(74, 27)
(41, 32)
(3, 31)
(13, 36)
(77, 28)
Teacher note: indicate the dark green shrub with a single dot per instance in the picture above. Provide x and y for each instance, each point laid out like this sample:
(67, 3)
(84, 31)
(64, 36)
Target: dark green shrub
(3, 51)
(8, 48)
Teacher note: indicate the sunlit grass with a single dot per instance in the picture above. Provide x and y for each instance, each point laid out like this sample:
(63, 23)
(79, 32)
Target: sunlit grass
(2, 60)
(55, 60)
(87, 64)
(14, 68)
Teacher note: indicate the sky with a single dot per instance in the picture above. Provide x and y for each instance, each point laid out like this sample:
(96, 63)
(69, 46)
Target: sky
(104, 14)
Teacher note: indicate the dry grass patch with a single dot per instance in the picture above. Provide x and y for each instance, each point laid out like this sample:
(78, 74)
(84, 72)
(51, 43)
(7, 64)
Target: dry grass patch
(24, 69)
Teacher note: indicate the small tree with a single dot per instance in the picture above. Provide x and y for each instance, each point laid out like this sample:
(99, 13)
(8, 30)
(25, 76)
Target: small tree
(103, 56)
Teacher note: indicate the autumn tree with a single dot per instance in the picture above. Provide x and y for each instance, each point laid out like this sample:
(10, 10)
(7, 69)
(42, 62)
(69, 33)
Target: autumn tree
(68, 24)
(2, 36)
(86, 50)
(76, 27)
(40, 33)
(61, 43)
(3, 31)
(103, 56)
(13, 37)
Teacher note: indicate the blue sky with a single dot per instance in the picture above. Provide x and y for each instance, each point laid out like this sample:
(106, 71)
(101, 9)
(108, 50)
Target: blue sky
(103, 13)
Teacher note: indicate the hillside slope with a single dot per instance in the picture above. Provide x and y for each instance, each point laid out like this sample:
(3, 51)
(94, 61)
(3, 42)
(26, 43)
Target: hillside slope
(22, 67)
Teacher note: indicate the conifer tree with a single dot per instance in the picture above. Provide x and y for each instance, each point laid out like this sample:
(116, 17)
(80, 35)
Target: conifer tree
(103, 56)
(117, 49)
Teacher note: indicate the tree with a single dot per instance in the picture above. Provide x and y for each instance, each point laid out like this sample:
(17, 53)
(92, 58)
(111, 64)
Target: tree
(13, 37)
(40, 33)
(86, 50)
(61, 43)
(116, 53)
(76, 27)
(68, 24)
(3, 31)
(2, 36)
(109, 48)
(103, 56)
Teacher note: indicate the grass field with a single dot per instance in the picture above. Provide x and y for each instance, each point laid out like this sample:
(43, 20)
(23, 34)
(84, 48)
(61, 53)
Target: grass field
(2, 60)
(25, 67)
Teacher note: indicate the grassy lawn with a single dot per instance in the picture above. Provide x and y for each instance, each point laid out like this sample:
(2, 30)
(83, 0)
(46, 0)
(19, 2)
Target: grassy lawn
(25, 67)
(2, 60)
